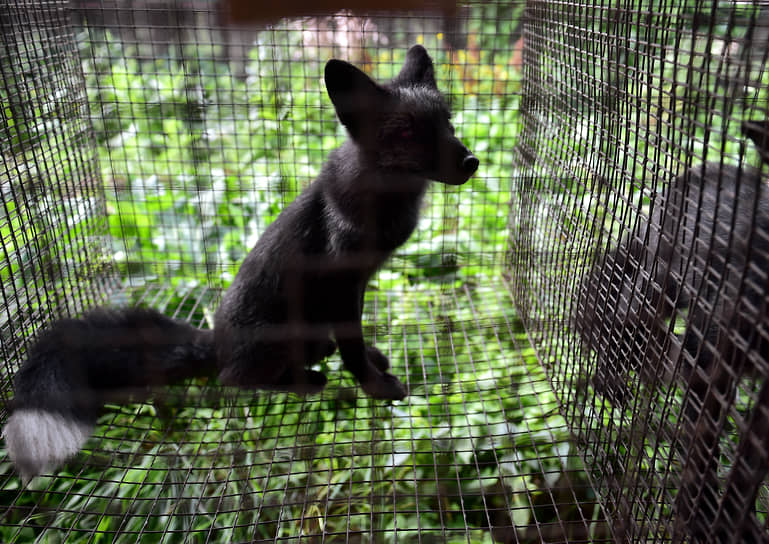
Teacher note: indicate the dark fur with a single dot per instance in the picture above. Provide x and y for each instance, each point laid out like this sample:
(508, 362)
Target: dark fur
(301, 284)
(758, 131)
(108, 355)
(630, 294)
(305, 279)
(705, 249)
(77, 365)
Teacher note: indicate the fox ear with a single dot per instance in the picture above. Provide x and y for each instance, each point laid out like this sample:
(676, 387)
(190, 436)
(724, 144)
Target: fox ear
(418, 68)
(356, 97)
(758, 131)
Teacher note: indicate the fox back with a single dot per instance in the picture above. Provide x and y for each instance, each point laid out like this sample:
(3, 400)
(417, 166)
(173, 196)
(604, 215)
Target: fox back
(703, 232)
(702, 251)
(304, 280)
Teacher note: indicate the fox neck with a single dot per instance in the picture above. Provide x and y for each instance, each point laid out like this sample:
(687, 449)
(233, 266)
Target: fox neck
(360, 168)
(382, 203)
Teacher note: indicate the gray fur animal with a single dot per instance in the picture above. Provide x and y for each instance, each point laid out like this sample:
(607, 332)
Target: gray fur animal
(704, 251)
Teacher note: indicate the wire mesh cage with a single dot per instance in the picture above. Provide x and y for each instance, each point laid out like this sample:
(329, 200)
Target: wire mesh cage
(580, 327)
(639, 222)
(146, 148)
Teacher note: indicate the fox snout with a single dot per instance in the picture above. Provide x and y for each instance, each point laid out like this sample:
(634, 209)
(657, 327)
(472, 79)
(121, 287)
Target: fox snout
(470, 163)
(456, 163)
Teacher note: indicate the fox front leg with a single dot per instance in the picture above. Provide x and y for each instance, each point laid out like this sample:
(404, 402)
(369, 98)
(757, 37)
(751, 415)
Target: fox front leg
(366, 363)
(375, 357)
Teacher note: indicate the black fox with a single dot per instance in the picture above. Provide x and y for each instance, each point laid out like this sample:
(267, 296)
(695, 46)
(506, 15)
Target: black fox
(293, 290)
(298, 294)
(705, 250)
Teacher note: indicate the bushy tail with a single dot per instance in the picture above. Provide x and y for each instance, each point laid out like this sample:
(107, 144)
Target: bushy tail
(79, 364)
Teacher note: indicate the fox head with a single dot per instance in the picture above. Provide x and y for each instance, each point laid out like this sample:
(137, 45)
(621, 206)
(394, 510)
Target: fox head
(403, 125)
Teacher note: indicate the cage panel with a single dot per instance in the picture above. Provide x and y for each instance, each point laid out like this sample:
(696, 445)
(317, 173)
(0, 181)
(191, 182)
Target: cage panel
(638, 258)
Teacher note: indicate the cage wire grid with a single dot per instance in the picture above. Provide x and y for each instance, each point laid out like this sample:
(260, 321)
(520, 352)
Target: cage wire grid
(145, 147)
(638, 254)
(169, 143)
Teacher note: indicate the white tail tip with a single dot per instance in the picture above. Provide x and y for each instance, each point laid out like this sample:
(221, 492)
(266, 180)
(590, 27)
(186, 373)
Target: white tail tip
(38, 441)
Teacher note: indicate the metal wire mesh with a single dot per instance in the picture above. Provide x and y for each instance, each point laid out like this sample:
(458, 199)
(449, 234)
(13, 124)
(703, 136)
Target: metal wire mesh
(239, 122)
(444, 465)
(54, 226)
(146, 147)
(190, 138)
(638, 254)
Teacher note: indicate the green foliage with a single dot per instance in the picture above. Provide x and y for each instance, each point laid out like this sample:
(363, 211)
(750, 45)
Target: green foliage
(480, 426)
(199, 158)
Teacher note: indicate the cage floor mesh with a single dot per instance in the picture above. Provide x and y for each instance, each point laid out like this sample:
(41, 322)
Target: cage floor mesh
(476, 452)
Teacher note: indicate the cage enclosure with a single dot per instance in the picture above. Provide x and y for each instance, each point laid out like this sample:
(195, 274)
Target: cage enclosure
(581, 327)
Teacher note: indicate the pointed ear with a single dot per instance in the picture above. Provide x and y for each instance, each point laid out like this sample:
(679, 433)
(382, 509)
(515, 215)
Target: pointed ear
(356, 97)
(417, 69)
(758, 131)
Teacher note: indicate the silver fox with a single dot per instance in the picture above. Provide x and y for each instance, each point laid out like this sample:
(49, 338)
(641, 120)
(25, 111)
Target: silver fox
(298, 294)
(705, 249)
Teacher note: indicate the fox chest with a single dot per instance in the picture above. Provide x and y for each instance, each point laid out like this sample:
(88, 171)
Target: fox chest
(374, 231)
(398, 228)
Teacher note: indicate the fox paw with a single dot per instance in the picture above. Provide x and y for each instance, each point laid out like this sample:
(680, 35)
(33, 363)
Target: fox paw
(384, 386)
(377, 358)
(314, 383)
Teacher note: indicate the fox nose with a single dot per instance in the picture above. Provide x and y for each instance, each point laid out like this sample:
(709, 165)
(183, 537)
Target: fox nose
(470, 164)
